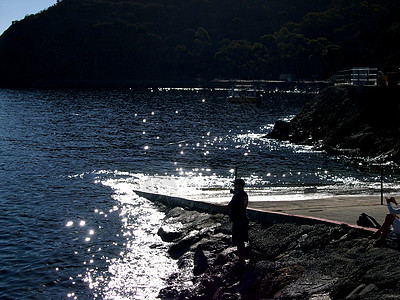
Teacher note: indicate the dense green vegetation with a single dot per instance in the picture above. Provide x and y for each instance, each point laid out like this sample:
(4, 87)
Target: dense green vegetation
(124, 40)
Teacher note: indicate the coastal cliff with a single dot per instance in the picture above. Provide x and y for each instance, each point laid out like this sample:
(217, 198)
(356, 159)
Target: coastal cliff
(350, 120)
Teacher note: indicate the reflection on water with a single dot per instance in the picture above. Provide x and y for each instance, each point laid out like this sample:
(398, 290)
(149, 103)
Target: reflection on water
(117, 252)
(142, 267)
(70, 160)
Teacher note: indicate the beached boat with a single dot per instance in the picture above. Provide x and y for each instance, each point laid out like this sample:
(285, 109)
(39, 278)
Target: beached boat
(244, 94)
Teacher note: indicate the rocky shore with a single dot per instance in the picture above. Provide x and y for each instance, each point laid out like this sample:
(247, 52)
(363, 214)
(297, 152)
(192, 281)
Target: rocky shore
(356, 121)
(284, 261)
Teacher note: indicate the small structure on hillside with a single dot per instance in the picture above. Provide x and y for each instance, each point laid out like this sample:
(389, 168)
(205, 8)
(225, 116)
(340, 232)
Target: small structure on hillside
(359, 76)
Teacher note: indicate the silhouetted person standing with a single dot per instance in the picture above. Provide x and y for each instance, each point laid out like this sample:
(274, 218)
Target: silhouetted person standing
(238, 217)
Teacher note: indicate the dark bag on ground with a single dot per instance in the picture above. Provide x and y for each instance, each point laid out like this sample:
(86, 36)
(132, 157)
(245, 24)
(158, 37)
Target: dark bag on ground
(365, 220)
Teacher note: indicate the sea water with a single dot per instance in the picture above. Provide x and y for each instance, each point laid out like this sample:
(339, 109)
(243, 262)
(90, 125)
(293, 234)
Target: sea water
(71, 224)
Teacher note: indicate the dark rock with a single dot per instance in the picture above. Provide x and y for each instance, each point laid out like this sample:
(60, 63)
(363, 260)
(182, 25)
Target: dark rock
(282, 130)
(206, 287)
(337, 233)
(356, 291)
(313, 237)
(200, 262)
(175, 212)
(358, 121)
(273, 241)
(369, 288)
(178, 248)
(186, 228)
(214, 243)
(186, 261)
(309, 283)
(172, 293)
(275, 281)
(169, 234)
(233, 271)
(224, 293)
(249, 283)
(262, 268)
(225, 256)
(362, 290)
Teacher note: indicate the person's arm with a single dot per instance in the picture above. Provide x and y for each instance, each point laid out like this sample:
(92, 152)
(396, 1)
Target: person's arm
(230, 204)
(394, 211)
(246, 201)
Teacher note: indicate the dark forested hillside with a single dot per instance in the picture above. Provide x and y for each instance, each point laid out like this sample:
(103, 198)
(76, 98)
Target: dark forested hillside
(88, 41)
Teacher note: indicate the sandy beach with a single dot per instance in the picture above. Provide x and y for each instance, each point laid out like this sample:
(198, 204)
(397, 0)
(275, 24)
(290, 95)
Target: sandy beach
(337, 208)
(343, 208)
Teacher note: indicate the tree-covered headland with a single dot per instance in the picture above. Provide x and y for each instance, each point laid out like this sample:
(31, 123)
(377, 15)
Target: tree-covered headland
(87, 41)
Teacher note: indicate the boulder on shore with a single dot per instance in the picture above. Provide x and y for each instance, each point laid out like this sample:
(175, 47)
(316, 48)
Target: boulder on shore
(359, 121)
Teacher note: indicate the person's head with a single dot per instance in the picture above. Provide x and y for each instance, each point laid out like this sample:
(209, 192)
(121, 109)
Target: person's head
(239, 184)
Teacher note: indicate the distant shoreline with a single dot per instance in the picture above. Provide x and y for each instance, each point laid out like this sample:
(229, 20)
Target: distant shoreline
(147, 83)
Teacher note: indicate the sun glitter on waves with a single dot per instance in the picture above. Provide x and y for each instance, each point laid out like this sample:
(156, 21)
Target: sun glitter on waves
(143, 265)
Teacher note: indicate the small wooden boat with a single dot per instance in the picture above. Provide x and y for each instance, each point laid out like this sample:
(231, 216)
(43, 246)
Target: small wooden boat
(244, 94)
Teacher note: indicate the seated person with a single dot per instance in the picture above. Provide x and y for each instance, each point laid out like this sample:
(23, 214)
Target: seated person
(391, 220)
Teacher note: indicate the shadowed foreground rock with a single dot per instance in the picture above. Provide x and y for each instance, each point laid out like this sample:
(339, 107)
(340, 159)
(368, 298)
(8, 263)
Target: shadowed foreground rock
(285, 261)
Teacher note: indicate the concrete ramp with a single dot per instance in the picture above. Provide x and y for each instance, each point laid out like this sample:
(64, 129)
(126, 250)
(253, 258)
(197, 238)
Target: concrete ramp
(259, 215)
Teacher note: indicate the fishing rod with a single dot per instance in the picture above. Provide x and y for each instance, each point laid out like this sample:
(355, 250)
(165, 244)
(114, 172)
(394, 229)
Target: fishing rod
(381, 185)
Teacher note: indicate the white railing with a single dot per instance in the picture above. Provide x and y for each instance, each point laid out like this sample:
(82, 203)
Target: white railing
(358, 76)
